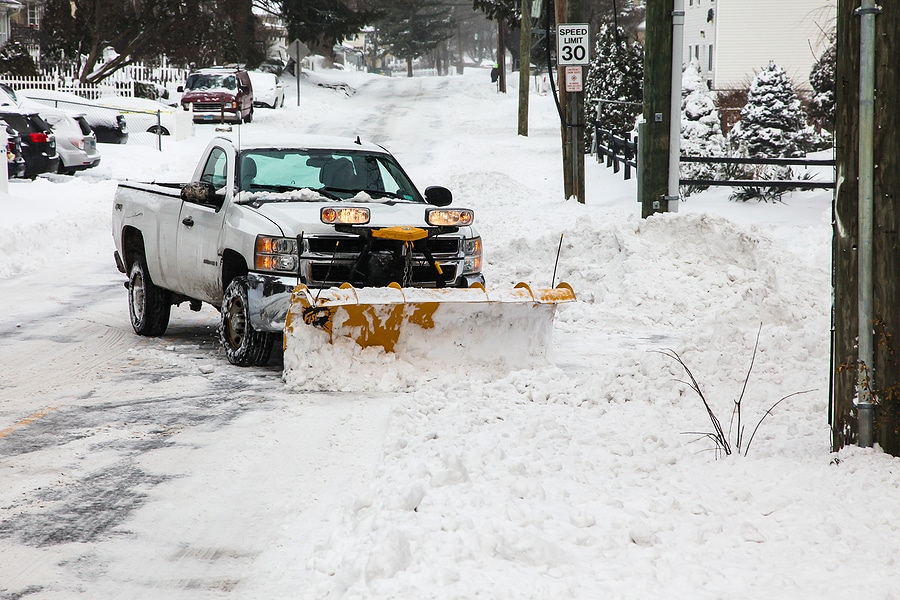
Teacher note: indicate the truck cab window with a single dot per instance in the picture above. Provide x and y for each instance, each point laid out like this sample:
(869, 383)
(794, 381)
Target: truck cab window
(215, 171)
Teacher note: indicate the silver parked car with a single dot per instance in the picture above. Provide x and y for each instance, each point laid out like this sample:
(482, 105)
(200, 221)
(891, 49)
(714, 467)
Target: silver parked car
(75, 141)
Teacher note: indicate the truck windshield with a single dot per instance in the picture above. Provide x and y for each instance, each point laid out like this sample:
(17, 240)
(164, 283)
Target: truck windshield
(336, 174)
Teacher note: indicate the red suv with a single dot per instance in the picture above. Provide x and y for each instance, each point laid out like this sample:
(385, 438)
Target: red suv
(219, 94)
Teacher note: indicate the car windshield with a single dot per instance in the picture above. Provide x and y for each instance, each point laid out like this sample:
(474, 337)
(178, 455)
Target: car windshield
(211, 81)
(334, 174)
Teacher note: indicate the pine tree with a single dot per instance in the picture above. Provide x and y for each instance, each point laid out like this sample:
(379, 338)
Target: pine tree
(701, 130)
(773, 123)
(821, 77)
(616, 73)
(412, 28)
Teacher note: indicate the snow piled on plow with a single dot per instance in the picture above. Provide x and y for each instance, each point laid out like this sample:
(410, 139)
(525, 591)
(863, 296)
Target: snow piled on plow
(469, 339)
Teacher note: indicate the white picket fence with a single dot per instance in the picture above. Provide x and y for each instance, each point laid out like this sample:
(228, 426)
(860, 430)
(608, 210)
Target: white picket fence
(120, 82)
(92, 92)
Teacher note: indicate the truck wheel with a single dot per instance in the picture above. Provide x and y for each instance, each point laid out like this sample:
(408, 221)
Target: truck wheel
(148, 305)
(249, 118)
(244, 346)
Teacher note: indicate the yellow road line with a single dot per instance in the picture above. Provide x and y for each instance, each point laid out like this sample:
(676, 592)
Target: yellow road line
(27, 421)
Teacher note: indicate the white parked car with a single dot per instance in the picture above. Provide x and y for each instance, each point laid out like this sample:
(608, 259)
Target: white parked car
(76, 143)
(268, 89)
(144, 114)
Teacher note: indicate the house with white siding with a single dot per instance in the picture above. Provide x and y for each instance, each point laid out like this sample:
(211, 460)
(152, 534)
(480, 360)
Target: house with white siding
(8, 8)
(732, 40)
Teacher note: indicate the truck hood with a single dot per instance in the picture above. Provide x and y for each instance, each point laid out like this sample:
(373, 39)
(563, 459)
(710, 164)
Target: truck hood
(303, 217)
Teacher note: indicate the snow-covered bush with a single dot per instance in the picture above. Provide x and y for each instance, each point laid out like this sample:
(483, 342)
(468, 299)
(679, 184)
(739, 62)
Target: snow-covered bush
(16, 61)
(701, 130)
(773, 125)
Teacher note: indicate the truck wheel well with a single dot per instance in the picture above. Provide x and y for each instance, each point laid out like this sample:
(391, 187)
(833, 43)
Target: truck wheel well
(132, 246)
(233, 265)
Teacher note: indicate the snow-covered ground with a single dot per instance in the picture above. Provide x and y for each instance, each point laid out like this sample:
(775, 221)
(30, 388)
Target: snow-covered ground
(585, 477)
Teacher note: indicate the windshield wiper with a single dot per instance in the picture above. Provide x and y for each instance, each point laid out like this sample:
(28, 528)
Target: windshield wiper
(263, 187)
(328, 192)
(385, 194)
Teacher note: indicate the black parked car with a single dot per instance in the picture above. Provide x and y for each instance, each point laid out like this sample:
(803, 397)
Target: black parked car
(15, 162)
(38, 141)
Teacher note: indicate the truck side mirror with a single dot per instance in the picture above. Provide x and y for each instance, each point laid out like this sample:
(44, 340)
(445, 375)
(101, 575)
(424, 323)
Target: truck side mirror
(438, 196)
(202, 192)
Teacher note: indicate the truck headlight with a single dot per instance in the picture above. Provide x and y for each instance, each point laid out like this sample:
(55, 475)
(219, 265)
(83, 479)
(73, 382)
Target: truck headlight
(449, 217)
(472, 250)
(352, 215)
(276, 254)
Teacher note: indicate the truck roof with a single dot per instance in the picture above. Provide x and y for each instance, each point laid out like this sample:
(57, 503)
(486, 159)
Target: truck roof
(252, 141)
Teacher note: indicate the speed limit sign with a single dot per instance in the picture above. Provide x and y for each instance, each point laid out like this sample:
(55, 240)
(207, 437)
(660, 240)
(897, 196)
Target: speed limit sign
(572, 44)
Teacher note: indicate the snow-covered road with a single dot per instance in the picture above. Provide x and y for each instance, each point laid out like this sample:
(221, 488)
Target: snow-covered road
(151, 468)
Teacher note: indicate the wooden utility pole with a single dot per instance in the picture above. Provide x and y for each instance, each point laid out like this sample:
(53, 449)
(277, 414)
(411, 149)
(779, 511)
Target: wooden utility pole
(560, 16)
(654, 133)
(885, 372)
(524, 66)
(575, 115)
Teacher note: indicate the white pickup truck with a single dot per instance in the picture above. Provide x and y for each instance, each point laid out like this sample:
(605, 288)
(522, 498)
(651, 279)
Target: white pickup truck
(261, 215)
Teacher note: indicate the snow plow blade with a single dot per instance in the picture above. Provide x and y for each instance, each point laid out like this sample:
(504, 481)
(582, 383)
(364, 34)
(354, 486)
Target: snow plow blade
(425, 322)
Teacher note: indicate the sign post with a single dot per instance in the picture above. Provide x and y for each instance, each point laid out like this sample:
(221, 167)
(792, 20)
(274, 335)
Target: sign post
(573, 52)
(298, 51)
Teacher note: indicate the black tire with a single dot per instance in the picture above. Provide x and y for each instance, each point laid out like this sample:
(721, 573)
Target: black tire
(244, 346)
(158, 130)
(249, 118)
(148, 305)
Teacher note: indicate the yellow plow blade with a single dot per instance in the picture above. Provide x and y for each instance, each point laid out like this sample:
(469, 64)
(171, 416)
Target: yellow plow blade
(424, 322)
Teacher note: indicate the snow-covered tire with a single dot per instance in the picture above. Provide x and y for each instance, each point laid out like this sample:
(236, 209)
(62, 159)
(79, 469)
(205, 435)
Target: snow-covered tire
(249, 118)
(148, 305)
(244, 346)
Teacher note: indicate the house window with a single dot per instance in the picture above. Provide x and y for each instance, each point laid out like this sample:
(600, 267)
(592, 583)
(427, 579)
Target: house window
(710, 58)
(697, 52)
(35, 12)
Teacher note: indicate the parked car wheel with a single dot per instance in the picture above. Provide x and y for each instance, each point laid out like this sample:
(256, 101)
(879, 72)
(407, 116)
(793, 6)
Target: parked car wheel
(244, 346)
(158, 130)
(148, 305)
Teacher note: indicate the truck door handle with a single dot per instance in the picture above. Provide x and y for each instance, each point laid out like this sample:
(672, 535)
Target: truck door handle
(189, 221)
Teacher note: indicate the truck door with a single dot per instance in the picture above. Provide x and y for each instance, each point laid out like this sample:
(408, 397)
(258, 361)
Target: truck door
(197, 241)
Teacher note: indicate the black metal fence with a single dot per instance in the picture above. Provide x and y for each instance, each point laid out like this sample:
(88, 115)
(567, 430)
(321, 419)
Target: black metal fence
(767, 183)
(620, 153)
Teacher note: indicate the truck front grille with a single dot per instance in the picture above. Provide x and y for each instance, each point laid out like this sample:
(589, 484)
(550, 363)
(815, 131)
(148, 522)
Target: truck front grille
(355, 245)
(210, 107)
(330, 260)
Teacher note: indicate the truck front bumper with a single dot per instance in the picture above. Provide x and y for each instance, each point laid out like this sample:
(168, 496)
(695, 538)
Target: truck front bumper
(269, 298)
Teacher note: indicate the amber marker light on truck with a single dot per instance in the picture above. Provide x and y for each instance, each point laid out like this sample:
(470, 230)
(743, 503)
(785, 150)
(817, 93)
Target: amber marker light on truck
(352, 215)
(276, 254)
(448, 217)
(472, 249)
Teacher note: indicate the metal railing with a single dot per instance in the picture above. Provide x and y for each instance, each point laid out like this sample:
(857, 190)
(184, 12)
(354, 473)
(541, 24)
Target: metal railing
(620, 153)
